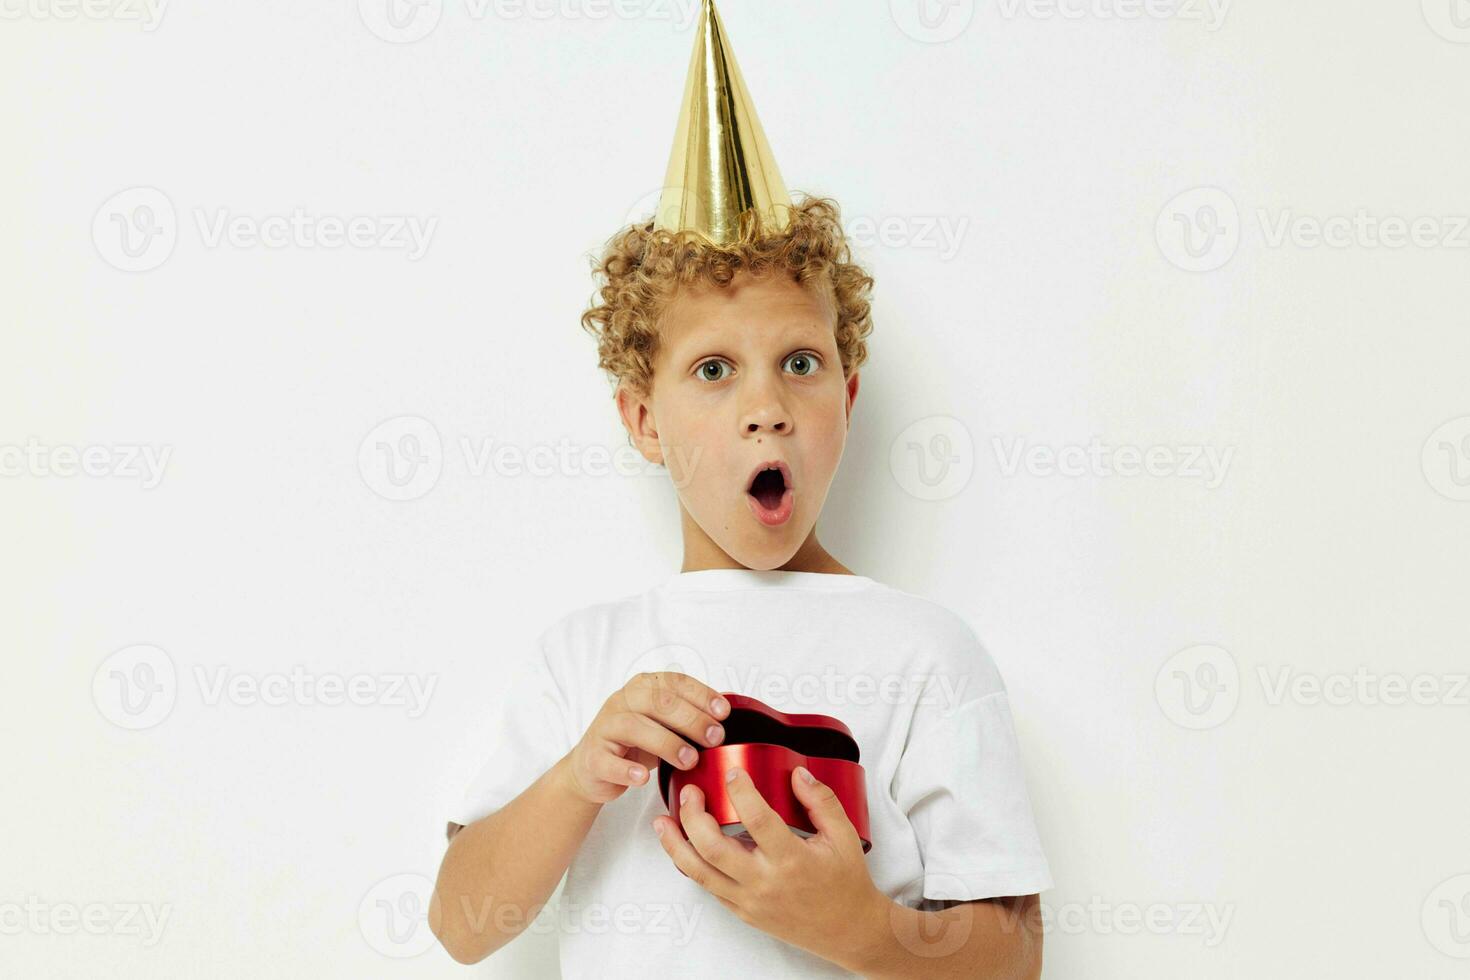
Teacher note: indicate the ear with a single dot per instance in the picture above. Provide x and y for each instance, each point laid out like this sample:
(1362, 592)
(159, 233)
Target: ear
(852, 390)
(637, 413)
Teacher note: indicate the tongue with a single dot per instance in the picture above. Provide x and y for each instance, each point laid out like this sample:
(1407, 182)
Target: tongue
(768, 490)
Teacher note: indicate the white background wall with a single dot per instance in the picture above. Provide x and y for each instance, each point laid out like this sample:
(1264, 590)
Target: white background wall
(1329, 839)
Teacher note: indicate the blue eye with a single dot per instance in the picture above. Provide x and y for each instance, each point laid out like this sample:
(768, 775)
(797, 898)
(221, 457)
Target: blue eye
(809, 360)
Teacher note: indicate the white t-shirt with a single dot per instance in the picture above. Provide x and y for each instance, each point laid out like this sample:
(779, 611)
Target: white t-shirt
(949, 813)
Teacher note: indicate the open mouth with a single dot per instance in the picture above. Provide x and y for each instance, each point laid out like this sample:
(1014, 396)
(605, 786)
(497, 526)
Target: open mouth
(770, 493)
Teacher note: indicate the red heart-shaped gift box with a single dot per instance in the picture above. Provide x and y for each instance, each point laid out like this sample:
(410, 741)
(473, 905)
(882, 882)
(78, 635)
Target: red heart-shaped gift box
(770, 744)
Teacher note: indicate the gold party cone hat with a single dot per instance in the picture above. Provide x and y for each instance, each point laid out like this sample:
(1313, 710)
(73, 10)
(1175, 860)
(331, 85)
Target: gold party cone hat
(721, 165)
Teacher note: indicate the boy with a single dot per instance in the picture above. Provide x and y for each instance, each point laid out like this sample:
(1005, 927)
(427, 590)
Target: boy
(734, 325)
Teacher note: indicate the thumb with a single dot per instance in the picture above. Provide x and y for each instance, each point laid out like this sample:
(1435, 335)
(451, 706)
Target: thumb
(825, 808)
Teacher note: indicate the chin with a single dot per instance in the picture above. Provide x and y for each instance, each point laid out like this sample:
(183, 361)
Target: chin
(767, 555)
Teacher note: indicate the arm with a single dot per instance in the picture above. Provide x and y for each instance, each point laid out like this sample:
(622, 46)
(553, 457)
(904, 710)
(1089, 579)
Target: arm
(499, 871)
(815, 893)
(994, 938)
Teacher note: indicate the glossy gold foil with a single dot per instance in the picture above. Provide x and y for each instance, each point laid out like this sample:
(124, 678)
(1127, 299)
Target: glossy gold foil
(721, 165)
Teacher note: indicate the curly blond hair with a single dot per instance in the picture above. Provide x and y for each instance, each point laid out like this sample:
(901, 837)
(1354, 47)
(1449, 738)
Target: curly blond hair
(642, 268)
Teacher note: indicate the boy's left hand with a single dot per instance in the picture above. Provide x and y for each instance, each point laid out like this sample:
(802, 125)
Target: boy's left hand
(813, 892)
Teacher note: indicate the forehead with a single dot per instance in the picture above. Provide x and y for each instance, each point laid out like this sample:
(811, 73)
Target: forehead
(773, 307)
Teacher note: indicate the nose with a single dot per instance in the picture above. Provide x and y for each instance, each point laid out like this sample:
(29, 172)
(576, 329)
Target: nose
(765, 411)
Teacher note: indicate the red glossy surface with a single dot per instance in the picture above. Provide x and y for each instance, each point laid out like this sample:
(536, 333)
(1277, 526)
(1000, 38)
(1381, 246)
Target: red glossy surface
(770, 766)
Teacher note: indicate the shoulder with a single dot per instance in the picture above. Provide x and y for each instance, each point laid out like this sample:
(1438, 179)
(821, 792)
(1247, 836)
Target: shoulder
(942, 640)
(585, 625)
(577, 644)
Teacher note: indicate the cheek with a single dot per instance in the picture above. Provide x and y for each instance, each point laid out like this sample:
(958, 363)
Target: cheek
(688, 457)
(832, 436)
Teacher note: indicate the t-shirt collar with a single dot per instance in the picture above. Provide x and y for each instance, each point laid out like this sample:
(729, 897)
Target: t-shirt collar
(730, 579)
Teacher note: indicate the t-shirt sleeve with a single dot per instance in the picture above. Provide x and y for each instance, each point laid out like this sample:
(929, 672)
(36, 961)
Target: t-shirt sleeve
(961, 784)
(532, 730)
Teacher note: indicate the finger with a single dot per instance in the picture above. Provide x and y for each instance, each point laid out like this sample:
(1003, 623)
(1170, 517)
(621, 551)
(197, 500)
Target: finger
(635, 731)
(764, 824)
(694, 690)
(609, 767)
(679, 703)
(689, 861)
(720, 850)
(825, 809)
(642, 757)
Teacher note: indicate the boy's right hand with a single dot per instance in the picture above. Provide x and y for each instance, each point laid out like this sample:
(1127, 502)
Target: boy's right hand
(640, 724)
